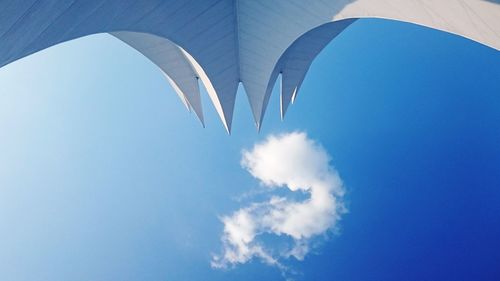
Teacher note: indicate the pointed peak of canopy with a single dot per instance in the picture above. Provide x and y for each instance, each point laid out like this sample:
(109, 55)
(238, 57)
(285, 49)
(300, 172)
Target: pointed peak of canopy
(227, 117)
(291, 80)
(172, 62)
(258, 97)
(222, 99)
(285, 100)
(257, 102)
(190, 96)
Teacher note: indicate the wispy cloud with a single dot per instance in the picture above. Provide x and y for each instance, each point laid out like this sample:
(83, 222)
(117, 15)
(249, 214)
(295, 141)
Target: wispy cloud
(297, 163)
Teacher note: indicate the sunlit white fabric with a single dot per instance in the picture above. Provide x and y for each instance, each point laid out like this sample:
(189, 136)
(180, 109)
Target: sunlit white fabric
(224, 42)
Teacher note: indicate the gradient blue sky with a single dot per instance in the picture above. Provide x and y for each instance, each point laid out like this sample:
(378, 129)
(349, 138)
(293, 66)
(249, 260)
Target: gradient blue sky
(105, 176)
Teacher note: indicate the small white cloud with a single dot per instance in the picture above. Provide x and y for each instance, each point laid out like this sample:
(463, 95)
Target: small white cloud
(290, 161)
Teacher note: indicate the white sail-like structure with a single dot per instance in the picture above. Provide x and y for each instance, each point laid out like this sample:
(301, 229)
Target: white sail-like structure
(226, 42)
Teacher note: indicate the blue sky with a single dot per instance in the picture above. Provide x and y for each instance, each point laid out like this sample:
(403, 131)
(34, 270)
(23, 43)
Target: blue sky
(105, 176)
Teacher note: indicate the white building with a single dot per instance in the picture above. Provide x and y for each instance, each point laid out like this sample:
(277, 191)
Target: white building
(225, 42)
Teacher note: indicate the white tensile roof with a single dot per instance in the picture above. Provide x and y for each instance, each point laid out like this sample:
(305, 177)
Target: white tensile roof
(226, 42)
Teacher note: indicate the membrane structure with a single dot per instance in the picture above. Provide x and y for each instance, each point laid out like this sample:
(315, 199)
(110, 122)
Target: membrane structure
(226, 42)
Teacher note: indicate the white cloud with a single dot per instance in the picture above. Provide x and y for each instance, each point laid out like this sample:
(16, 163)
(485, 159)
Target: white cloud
(290, 161)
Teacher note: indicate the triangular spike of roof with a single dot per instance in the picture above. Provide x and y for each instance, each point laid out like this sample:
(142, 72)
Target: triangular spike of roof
(289, 88)
(173, 63)
(223, 100)
(179, 93)
(193, 104)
